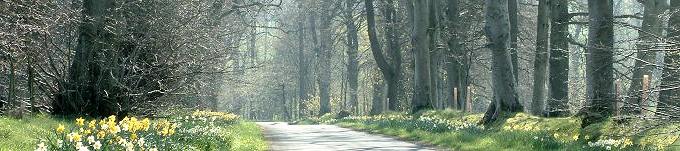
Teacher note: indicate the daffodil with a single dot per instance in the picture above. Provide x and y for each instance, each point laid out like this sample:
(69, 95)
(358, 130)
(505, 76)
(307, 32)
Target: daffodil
(61, 128)
(101, 134)
(90, 139)
(41, 147)
(97, 145)
(92, 124)
(77, 137)
(141, 142)
(133, 136)
(80, 121)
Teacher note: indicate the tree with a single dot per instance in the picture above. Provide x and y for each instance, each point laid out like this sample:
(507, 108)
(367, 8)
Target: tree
(541, 61)
(435, 51)
(352, 56)
(390, 70)
(422, 86)
(394, 84)
(668, 98)
(324, 53)
(497, 28)
(456, 60)
(303, 65)
(645, 62)
(513, 13)
(557, 104)
(599, 65)
(82, 94)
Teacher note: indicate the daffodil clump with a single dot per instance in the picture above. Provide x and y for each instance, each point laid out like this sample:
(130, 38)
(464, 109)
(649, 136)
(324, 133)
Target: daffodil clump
(129, 134)
(426, 122)
(220, 117)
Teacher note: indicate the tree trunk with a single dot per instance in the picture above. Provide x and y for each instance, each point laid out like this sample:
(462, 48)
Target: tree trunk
(433, 34)
(513, 13)
(455, 58)
(541, 60)
(81, 95)
(497, 28)
(325, 56)
(669, 105)
(422, 98)
(558, 105)
(390, 72)
(600, 57)
(377, 104)
(352, 56)
(303, 65)
(12, 98)
(394, 51)
(645, 63)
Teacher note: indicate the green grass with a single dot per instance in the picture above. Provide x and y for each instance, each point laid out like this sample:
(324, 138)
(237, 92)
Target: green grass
(23, 134)
(246, 136)
(519, 132)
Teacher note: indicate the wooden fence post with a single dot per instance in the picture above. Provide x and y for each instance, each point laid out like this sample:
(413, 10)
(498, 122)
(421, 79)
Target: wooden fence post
(455, 98)
(617, 98)
(644, 105)
(468, 99)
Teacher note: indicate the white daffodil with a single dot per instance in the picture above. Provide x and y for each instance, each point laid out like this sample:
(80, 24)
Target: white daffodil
(90, 139)
(105, 127)
(130, 146)
(41, 147)
(141, 142)
(60, 143)
(97, 145)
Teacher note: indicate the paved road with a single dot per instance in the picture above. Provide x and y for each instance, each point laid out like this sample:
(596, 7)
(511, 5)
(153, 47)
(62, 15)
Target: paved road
(282, 136)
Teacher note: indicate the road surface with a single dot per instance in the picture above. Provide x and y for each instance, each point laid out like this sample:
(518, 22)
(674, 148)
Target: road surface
(282, 137)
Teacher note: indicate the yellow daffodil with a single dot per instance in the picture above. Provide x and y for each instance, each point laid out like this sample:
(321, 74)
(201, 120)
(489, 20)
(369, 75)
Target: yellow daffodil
(165, 131)
(77, 137)
(61, 128)
(101, 134)
(112, 118)
(145, 124)
(92, 124)
(80, 121)
(133, 136)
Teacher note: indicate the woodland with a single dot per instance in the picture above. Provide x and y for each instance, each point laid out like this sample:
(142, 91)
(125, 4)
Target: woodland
(603, 65)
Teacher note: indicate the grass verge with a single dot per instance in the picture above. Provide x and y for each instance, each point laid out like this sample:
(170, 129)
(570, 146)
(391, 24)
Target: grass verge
(246, 136)
(459, 131)
(195, 133)
(24, 134)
